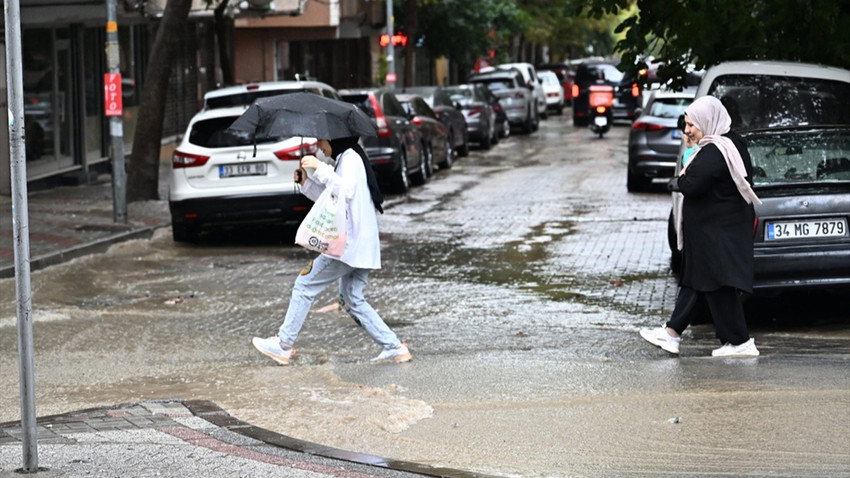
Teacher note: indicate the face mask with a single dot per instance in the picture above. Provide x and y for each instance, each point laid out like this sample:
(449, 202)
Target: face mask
(320, 155)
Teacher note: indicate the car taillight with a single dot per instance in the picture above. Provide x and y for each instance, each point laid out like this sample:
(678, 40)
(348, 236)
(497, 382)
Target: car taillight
(187, 160)
(635, 90)
(575, 90)
(380, 119)
(474, 110)
(295, 153)
(641, 126)
(519, 95)
(416, 121)
(755, 225)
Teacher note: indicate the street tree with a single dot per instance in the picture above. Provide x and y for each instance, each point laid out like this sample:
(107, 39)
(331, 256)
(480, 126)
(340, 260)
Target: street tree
(143, 170)
(701, 33)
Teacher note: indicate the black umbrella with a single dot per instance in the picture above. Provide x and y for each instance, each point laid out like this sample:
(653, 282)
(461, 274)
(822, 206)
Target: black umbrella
(301, 114)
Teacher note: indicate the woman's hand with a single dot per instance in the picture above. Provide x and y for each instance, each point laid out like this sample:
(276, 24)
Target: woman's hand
(310, 162)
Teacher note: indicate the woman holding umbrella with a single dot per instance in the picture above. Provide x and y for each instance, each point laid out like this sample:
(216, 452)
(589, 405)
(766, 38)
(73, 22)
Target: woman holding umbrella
(340, 124)
(354, 178)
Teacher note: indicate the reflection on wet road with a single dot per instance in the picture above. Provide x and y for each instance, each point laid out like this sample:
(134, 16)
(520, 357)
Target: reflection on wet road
(519, 278)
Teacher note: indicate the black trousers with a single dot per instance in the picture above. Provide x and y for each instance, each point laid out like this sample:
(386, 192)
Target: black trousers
(724, 305)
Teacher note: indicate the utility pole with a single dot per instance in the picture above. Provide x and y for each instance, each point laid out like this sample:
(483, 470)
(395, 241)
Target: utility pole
(113, 107)
(20, 226)
(391, 77)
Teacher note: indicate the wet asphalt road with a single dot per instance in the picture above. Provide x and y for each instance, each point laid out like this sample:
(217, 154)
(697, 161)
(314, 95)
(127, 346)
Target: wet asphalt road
(519, 278)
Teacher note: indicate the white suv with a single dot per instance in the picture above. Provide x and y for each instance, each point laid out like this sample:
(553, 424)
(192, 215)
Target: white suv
(218, 180)
(533, 83)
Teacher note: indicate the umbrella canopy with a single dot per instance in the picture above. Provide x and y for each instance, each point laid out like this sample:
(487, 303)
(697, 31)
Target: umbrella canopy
(301, 114)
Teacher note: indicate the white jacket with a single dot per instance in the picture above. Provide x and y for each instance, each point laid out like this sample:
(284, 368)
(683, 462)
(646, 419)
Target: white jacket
(362, 246)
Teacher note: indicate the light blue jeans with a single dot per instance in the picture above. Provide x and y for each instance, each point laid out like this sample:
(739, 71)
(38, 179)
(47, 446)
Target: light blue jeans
(316, 277)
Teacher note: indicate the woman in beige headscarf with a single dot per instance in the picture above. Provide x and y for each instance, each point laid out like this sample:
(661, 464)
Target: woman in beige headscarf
(715, 233)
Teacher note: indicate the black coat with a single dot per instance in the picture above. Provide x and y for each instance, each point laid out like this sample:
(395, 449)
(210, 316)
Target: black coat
(717, 224)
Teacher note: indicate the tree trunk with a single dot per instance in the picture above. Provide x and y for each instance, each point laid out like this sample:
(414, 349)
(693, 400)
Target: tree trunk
(411, 25)
(221, 29)
(143, 171)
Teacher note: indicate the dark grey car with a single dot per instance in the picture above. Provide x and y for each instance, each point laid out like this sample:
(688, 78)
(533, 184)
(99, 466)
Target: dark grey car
(655, 137)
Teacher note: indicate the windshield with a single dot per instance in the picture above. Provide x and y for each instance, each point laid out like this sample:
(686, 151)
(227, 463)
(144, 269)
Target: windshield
(462, 95)
(800, 156)
(761, 101)
(669, 107)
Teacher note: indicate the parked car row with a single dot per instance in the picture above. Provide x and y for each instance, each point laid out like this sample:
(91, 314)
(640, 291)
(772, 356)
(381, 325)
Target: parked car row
(221, 180)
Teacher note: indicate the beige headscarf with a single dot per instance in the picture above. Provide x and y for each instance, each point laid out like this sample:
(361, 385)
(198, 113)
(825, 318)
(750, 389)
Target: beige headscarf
(709, 115)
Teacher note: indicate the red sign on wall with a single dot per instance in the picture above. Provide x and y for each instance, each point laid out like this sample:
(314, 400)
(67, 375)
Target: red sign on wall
(112, 94)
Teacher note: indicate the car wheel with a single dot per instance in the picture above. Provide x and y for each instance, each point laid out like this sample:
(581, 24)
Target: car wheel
(506, 129)
(496, 134)
(183, 233)
(672, 242)
(463, 151)
(535, 125)
(450, 154)
(487, 141)
(636, 182)
(421, 175)
(401, 181)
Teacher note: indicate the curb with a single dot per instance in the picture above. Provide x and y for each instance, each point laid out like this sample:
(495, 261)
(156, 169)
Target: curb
(97, 246)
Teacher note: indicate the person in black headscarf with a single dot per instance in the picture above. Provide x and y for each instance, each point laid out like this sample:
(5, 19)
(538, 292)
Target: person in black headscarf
(352, 175)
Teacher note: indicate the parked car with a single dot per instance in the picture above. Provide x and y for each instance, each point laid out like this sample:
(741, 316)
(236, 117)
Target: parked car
(479, 114)
(627, 91)
(218, 180)
(532, 82)
(515, 98)
(655, 138)
(795, 118)
(448, 113)
(565, 73)
(554, 92)
(396, 152)
(242, 95)
(437, 147)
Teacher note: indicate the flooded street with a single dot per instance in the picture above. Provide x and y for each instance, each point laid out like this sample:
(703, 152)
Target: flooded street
(519, 279)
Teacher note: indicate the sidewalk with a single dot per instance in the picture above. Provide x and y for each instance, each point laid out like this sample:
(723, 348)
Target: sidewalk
(163, 438)
(70, 221)
(187, 439)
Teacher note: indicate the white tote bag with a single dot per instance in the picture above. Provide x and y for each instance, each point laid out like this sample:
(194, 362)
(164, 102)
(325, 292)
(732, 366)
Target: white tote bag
(323, 230)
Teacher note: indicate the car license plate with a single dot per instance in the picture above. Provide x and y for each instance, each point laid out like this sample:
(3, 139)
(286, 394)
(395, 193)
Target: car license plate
(677, 134)
(600, 121)
(829, 227)
(242, 169)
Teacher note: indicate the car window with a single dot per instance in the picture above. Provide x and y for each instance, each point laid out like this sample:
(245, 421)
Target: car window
(463, 95)
(497, 84)
(818, 155)
(391, 106)
(362, 101)
(668, 107)
(762, 101)
(210, 133)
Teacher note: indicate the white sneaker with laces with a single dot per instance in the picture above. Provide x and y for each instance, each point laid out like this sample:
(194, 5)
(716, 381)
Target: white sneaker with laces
(398, 355)
(273, 348)
(746, 349)
(660, 338)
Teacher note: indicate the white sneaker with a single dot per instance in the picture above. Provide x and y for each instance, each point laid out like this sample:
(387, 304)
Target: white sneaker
(398, 355)
(660, 338)
(272, 348)
(746, 349)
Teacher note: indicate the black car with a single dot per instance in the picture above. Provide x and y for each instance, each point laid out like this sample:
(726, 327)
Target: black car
(396, 152)
(627, 91)
(448, 112)
(437, 147)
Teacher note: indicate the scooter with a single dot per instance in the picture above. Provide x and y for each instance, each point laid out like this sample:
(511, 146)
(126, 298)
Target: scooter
(601, 104)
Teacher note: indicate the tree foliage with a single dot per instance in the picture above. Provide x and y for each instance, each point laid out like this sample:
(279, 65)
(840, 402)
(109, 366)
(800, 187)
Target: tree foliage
(702, 33)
